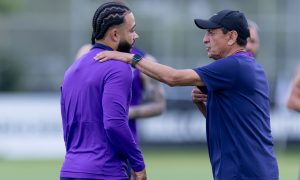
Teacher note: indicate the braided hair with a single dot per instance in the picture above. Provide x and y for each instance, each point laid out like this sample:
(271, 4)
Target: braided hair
(107, 15)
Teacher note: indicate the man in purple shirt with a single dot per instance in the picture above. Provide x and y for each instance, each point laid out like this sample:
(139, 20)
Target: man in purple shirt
(238, 129)
(147, 98)
(94, 104)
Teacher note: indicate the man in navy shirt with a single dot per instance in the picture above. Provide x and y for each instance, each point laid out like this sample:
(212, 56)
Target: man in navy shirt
(238, 121)
(95, 98)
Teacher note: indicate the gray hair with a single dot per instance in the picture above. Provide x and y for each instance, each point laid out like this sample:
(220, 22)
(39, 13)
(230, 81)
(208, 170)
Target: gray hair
(253, 25)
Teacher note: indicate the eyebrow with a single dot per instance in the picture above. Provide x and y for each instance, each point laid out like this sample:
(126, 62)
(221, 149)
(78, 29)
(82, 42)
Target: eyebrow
(132, 27)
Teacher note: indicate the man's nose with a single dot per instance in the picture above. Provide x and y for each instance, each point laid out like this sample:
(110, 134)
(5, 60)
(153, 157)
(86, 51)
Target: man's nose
(205, 39)
(136, 36)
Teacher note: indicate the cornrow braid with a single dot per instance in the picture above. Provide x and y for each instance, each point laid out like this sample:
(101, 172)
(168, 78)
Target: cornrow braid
(107, 15)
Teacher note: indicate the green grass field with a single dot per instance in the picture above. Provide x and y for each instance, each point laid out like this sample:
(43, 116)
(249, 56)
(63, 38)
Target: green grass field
(162, 164)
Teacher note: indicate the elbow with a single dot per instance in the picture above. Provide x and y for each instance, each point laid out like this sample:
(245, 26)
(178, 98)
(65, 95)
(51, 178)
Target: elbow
(108, 127)
(114, 123)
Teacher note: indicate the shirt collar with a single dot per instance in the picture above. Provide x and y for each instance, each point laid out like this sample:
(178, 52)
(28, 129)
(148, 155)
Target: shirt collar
(102, 46)
(243, 54)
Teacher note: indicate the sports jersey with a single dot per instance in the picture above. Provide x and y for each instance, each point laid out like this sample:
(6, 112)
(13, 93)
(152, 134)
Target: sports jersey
(239, 137)
(95, 99)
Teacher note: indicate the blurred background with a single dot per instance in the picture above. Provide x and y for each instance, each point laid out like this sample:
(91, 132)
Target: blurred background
(39, 40)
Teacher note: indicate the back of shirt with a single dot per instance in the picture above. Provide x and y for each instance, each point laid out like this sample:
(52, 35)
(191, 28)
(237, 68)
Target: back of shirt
(95, 99)
(238, 122)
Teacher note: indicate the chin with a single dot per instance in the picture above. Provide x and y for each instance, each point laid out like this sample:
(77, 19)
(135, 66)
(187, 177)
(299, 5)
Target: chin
(213, 57)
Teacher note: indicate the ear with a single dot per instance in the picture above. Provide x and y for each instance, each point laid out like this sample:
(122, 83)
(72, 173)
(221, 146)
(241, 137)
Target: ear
(114, 35)
(232, 38)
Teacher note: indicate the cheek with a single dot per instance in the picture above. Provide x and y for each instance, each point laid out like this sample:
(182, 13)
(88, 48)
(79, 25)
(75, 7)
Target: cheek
(214, 43)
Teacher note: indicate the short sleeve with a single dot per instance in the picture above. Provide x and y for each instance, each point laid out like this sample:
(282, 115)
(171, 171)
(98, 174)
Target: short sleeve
(220, 74)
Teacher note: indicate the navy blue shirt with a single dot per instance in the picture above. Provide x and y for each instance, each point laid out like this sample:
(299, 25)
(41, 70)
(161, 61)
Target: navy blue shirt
(238, 120)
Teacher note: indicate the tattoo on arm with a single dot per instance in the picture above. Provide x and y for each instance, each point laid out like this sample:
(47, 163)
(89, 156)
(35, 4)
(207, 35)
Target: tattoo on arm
(153, 100)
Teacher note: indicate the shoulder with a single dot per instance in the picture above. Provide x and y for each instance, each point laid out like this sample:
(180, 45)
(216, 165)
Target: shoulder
(226, 62)
(230, 59)
(118, 67)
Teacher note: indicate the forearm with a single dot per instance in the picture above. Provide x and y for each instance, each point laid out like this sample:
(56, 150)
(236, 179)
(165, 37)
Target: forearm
(152, 69)
(202, 108)
(146, 110)
(158, 71)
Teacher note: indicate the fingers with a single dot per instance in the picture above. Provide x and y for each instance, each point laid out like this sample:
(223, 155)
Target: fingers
(202, 98)
(196, 90)
(142, 175)
(198, 96)
(133, 176)
(100, 57)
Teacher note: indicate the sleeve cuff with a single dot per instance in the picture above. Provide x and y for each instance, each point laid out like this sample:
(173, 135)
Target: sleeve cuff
(138, 168)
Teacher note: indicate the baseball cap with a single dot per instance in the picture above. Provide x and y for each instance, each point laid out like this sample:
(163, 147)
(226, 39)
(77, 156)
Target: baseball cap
(228, 19)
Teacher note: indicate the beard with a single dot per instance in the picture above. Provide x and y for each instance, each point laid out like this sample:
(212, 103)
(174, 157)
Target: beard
(124, 46)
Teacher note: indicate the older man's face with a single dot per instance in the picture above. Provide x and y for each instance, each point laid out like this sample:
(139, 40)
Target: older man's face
(216, 43)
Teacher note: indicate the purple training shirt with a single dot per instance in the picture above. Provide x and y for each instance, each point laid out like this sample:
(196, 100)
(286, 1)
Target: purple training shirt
(137, 93)
(95, 99)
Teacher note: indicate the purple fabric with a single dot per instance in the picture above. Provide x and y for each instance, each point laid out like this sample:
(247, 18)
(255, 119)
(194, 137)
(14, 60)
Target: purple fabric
(137, 93)
(95, 99)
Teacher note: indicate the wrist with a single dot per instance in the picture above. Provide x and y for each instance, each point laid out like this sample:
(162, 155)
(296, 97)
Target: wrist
(135, 58)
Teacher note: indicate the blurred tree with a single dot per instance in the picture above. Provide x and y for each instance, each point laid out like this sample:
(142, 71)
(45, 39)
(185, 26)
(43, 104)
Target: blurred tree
(7, 6)
(10, 73)
(10, 69)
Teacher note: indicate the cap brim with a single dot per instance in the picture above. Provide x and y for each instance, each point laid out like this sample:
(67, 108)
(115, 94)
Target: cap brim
(206, 24)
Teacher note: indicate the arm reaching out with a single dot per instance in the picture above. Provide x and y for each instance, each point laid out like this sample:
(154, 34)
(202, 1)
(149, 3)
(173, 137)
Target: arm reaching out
(160, 72)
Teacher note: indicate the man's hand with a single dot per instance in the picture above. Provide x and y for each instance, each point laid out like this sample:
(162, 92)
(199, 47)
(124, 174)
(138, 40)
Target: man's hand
(116, 55)
(198, 96)
(141, 175)
(200, 99)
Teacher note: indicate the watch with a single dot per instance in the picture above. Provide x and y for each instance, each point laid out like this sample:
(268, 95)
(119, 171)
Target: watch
(135, 59)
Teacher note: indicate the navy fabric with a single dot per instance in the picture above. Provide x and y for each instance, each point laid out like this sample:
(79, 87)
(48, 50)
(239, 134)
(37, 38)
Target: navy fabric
(102, 46)
(238, 122)
(228, 19)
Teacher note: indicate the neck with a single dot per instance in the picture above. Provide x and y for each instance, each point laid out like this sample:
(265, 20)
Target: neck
(107, 43)
(236, 50)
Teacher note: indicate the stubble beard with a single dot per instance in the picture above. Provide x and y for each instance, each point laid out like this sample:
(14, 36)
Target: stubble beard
(124, 46)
